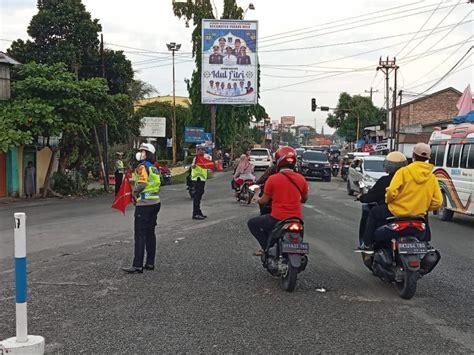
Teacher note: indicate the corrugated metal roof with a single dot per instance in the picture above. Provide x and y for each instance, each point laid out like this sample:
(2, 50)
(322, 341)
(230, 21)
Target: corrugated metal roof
(7, 59)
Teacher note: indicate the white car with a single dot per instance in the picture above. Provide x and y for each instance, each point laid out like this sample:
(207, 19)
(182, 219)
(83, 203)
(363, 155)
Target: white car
(261, 158)
(366, 170)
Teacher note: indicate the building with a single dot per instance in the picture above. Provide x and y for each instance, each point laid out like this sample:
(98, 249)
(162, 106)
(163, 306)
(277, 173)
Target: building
(180, 101)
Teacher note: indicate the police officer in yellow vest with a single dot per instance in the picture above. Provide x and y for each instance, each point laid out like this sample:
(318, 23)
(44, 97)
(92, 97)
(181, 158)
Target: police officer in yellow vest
(199, 177)
(119, 171)
(147, 205)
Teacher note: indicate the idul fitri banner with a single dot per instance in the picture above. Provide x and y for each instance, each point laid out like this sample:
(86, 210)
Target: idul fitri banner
(229, 62)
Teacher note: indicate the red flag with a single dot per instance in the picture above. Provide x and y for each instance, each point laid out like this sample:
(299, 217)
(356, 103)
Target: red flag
(204, 163)
(124, 196)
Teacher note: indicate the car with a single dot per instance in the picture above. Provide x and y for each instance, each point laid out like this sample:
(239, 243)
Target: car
(315, 164)
(261, 158)
(366, 170)
(299, 152)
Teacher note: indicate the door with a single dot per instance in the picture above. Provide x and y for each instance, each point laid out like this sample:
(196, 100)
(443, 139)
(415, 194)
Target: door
(28, 155)
(355, 174)
(3, 175)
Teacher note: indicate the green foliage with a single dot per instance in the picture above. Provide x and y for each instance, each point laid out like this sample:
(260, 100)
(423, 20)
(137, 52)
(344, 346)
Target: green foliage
(230, 119)
(349, 109)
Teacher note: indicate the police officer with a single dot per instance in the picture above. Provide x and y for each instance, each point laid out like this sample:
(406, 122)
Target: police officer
(199, 177)
(119, 170)
(216, 57)
(147, 202)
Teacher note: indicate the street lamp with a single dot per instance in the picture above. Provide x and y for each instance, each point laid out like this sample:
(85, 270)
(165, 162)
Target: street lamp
(173, 47)
(250, 7)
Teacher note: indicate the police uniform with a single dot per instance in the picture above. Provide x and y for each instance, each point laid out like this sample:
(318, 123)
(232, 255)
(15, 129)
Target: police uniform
(215, 58)
(243, 60)
(146, 212)
(199, 177)
(119, 170)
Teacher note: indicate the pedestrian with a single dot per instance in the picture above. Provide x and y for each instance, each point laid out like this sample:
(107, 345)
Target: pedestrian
(199, 177)
(30, 180)
(119, 170)
(147, 205)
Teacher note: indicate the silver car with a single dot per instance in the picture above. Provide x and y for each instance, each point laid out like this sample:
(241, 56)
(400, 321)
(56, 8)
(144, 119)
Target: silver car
(364, 173)
(261, 158)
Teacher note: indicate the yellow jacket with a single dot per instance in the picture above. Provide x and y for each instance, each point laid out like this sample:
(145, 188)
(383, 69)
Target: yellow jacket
(414, 191)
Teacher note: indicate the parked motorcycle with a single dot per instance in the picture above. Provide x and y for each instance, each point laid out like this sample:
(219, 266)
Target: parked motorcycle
(286, 254)
(401, 256)
(334, 169)
(165, 173)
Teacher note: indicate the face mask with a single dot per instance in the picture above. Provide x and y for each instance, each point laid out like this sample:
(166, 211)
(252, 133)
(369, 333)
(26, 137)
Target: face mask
(140, 156)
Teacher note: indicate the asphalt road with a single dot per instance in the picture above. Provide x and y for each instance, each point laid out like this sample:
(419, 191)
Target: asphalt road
(210, 294)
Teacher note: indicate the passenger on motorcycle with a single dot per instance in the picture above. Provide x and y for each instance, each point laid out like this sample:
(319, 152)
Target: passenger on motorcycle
(287, 190)
(413, 191)
(244, 171)
(376, 195)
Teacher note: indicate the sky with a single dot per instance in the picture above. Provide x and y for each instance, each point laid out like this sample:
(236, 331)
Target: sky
(307, 48)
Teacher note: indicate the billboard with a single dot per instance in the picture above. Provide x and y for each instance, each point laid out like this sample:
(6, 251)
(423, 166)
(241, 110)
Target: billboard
(287, 120)
(153, 127)
(229, 62)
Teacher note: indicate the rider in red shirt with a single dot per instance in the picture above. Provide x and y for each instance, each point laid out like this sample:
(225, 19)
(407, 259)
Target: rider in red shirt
(286, 190)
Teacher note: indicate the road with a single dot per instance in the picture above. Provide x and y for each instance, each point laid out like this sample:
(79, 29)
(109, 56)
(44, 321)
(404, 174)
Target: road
(210, 294)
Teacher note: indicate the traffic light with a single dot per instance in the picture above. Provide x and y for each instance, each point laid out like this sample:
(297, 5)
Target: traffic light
(313, 104)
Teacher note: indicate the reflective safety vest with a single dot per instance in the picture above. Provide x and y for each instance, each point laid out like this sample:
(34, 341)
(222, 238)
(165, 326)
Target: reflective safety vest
(119, 166)
(153, 183)
(198, 172)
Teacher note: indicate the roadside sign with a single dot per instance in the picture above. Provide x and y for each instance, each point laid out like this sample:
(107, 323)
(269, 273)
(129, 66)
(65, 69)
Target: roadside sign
(153, 127)
(193, 134)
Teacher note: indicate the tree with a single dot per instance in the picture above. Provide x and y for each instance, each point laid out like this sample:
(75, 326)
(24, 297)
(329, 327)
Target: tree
(64, 32)
(139, 89)
(351, 108)
(230, 119)
(47, 101)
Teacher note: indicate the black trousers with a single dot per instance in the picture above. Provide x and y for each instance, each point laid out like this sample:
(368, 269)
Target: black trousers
(145, 238)
(198, 192)
(363, 221)
(261, 227)
(118, 181)
(377, 217)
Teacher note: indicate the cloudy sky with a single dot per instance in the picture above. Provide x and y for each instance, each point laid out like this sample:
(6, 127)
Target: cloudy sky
(307, 48)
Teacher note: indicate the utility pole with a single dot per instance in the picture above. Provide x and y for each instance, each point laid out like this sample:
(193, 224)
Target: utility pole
(387, 67)
(371, 91)
(397, 138)
(213, 129)
(173, 47)
(106, 128)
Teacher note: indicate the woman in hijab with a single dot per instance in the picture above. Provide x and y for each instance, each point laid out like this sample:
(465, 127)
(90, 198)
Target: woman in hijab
(244, 170)
(30, 180)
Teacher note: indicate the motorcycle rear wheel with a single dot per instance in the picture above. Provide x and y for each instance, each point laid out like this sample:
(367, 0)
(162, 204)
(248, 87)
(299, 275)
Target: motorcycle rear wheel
(288, 282)
(407, 288)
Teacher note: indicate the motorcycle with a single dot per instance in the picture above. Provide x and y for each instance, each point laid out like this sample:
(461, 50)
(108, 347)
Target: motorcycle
(243, 191)
(335, 169)
(285, 257)
(344, 171)
(400, 255)
(165, 175)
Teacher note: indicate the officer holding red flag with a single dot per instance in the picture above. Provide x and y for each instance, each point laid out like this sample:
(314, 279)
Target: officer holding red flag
(147, 202)
(199, 177)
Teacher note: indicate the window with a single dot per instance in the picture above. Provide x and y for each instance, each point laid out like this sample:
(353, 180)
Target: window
(437, 154)
(453, 156)
(374, 165)
(470, 159)
(259, 152)
(465, 154)
(315, 156)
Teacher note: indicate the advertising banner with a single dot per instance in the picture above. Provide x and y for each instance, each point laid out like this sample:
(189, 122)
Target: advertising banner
(229, 62)
(193, 134)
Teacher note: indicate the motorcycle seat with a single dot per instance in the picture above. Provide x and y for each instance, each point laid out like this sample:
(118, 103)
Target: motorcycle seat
(405, 219)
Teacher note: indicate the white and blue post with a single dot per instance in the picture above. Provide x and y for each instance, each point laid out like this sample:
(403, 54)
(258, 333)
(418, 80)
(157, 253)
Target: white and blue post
(22, 343)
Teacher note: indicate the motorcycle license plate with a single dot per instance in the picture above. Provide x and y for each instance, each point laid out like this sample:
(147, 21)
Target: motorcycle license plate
(295, 248)
(412, 248)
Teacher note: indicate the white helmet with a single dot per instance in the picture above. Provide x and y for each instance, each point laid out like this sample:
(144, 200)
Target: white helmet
(148, 147)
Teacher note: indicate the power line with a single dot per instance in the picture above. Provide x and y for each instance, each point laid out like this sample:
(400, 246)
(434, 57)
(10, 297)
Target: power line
(430, 81)
(422, 26)
(439, 23)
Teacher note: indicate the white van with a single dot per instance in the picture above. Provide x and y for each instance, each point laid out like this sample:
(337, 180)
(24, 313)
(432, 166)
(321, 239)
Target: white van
(452, 154)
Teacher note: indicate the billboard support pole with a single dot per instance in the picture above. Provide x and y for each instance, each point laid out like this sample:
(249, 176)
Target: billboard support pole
(213, 129)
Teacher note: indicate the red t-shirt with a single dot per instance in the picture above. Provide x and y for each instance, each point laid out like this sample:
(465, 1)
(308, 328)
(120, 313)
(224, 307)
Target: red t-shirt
(286, 199)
